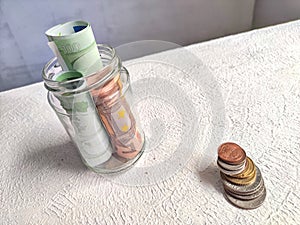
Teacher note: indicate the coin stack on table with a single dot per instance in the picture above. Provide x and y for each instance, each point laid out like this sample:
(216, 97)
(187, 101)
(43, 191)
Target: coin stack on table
(242, 180)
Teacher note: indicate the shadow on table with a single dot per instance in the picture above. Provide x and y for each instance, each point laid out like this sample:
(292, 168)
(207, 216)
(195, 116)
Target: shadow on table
(58, 157)
(210, 176)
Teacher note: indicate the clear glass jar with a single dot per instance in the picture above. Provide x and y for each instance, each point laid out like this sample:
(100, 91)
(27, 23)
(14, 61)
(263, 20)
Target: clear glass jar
(97, 113)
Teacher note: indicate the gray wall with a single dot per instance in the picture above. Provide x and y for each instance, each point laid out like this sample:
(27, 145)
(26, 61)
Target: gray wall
(24, 50)
(269, 12)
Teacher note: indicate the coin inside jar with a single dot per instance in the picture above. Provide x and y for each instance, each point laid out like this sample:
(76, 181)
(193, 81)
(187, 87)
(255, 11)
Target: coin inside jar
(231, 153)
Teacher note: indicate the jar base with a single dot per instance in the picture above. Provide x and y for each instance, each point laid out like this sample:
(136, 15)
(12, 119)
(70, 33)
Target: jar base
(116, 163)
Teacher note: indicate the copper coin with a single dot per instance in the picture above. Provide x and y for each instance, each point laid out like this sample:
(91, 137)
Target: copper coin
(231, 153)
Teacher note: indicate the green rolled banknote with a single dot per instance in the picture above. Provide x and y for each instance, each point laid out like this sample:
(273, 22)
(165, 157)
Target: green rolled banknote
(89, 134)
(75, 47)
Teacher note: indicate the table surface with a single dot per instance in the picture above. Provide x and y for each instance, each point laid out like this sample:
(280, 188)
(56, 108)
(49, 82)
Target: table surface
(257, 74)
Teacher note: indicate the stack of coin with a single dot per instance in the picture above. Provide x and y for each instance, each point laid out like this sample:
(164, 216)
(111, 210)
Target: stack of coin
(242, 179)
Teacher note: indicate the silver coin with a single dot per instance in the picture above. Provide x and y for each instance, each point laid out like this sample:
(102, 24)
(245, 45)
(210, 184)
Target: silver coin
(247, 204)
(227, 166)
(231, 172)
(245, 189)
(247, 195)
(243, 196)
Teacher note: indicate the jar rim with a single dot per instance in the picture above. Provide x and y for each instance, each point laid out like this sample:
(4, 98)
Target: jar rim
(125, 88)
(47, 80)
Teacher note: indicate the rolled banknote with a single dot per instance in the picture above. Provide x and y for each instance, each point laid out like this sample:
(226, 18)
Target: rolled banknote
(118, 119)
(74, 44)
(75, 47)
(89, 134)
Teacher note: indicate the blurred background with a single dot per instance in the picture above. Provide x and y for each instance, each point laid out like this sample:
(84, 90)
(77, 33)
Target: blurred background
(24, 49)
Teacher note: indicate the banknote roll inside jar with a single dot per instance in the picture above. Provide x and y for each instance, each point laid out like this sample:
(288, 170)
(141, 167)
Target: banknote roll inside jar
(97, 112)
(113, 101)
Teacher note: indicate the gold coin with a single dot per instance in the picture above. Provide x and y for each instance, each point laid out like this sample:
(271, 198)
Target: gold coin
(248, 171)
(240, 181)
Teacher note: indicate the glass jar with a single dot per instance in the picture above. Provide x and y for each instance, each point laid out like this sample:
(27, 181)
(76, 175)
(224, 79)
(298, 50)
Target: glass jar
(97, 112)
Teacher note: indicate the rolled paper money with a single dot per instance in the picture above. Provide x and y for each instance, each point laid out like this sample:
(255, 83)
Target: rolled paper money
(118, 119)
(90, 136)
(75, 47)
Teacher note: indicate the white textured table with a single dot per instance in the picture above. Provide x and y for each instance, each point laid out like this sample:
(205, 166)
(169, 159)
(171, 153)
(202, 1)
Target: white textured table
(258, 74)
